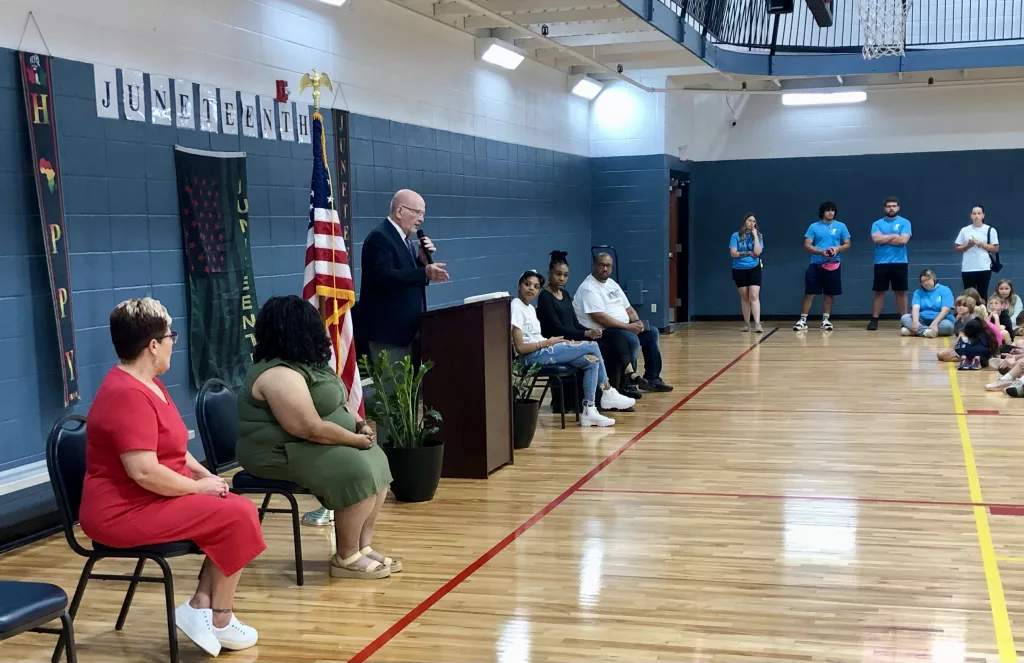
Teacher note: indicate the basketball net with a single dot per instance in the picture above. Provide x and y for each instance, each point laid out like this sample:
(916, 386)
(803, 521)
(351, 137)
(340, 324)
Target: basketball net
(884, 26)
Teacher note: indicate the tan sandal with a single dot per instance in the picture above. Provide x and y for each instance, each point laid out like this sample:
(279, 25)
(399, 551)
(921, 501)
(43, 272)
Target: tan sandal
(343, 568)
(394, 564)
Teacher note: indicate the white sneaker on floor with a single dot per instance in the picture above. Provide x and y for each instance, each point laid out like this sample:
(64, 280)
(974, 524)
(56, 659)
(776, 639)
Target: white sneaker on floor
(801, 325)
(906, 332)
(929, 333)
(611, 399)
(236, 635)
(746, 327)
(826, 324)
(197, 624)
(1002, 382)
(591, 417)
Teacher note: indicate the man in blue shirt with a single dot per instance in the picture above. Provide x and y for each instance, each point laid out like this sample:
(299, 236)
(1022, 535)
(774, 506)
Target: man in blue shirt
(824, 240)
(890, 235)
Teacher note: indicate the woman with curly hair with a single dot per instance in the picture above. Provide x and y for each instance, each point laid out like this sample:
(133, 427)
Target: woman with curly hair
(293, 425)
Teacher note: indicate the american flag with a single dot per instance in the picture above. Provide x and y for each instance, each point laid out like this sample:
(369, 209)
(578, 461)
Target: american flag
(328, 281)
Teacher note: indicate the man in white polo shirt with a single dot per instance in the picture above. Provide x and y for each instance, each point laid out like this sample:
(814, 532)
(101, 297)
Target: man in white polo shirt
(600, 303)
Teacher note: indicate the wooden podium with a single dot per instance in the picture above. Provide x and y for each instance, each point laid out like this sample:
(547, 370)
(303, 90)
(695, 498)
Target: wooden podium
(470, 384)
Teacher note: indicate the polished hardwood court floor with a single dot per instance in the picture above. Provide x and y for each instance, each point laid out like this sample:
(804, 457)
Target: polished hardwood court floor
(816, 497)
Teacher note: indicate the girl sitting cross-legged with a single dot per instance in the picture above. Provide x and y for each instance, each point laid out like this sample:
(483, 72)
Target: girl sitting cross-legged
(963, 306)
(976, 345)
(533, 348)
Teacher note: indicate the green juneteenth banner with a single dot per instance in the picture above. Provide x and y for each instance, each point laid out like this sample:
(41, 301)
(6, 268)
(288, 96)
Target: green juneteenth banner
(214, 205)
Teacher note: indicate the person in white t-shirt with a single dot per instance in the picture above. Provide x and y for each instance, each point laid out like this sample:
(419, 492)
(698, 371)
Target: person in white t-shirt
(601, 304)
(976, 243)
(533, 348)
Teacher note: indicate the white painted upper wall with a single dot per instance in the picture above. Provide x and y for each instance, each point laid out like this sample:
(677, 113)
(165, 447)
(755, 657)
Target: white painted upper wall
(391, 63)
(934, 119)
(625, 120)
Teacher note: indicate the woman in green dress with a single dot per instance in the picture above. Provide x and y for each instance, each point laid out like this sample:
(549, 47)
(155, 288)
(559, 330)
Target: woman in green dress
(293, 425)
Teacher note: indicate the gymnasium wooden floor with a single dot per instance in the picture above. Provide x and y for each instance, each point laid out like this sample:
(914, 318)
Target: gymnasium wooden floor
(812, 498)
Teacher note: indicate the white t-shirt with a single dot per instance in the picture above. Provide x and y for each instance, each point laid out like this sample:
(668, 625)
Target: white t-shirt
(524, 317)
(595, 297)
(976, 259)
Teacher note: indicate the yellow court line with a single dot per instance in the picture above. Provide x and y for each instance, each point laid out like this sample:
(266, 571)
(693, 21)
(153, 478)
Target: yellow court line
(999, 451)
(996, 599)
(1010, 559)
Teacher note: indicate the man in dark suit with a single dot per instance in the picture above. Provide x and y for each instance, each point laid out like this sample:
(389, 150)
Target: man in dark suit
(392, 296)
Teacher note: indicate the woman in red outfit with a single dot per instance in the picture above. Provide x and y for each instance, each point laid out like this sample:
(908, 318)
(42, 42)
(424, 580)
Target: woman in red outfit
(143, 487)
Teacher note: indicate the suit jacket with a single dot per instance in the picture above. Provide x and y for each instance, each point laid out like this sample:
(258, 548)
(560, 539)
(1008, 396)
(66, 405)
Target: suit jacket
(392, 295)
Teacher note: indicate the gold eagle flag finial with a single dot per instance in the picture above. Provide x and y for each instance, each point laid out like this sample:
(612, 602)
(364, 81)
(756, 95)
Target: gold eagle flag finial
(315, 79)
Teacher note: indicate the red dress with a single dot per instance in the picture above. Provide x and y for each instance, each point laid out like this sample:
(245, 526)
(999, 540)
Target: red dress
(116, 511)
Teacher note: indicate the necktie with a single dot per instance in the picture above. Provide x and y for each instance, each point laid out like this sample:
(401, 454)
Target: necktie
(414, 249)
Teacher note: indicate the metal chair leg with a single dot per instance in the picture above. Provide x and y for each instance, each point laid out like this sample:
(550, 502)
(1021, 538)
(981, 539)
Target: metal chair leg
(297, 536)
(561, 398)
(266, 504)
(172, 623)
(130, 594)
(68, 634)
(547, 383)
(83, 580)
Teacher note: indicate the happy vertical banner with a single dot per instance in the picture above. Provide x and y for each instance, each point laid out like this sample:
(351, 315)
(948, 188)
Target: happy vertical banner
(36, 82)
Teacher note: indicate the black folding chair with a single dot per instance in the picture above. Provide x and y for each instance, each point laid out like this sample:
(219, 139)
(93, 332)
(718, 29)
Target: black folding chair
(559, 372)
(217, 421)
(65, 460)
(27, 606)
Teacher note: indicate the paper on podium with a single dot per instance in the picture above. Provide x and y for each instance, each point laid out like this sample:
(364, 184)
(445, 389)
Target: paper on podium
(483, 298)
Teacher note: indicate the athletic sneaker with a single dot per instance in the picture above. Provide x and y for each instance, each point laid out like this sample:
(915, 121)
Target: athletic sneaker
(929, 333)
(873, 325)
(236, 635)
(1016, 389)
(746, 327)
(970, 364)
(758, 329)
(197, 624)
(801, 325)
(591, 417)
(826, 324)
(613, 400)
(906, 332)
(1002, 382)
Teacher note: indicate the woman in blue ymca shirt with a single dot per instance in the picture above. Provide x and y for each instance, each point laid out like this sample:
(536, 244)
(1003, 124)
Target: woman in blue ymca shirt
(745, 248)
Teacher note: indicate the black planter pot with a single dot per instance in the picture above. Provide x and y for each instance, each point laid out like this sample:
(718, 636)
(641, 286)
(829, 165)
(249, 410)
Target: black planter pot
(415, 472)
(524, 423)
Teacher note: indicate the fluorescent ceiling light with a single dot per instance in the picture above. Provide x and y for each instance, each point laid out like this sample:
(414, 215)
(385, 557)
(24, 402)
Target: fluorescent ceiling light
(584, 86)
(822, 98)
(499, 53)
(333, 3)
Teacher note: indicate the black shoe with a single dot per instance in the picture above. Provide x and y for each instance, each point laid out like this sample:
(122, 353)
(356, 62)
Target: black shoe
(873, 325)
(658, 385)
(630, 391)
(643, 383)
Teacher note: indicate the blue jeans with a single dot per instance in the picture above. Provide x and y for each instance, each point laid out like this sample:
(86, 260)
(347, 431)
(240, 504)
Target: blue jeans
(575, 355)
(945, 327)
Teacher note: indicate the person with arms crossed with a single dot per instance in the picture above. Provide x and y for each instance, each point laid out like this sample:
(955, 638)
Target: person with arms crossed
(975, 244)
(745, 249)
(600, 304)
(932, 311)
(825, 239)
(890, 235)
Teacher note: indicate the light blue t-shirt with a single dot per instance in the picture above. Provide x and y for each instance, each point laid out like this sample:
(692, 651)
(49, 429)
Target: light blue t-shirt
(932, 301)
(826, 236)
(887, 253)
(745, 262)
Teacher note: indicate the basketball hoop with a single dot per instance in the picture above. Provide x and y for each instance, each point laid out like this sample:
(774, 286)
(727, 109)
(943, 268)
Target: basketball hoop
(884, 26)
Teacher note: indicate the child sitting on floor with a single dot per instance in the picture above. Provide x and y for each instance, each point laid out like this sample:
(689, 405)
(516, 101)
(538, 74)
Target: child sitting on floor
(1011, 301)
(999, 317)
(977, 343)
(963, 307)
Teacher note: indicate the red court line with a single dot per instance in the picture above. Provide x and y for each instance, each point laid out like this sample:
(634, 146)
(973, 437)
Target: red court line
(1006, 510)
(813, 498)
(396, 628)
(821, 411)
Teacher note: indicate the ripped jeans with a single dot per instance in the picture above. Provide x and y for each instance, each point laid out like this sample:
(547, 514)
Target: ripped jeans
(574, 353)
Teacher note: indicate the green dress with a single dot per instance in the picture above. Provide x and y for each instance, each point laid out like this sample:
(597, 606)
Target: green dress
(338, 475)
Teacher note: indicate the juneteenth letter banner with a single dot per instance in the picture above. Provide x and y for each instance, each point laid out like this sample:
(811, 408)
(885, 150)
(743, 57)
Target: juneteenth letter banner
(343, 194)
(36, 82)
(214, 206)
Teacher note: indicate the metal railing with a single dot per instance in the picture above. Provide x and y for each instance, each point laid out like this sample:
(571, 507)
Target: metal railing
(747, 24)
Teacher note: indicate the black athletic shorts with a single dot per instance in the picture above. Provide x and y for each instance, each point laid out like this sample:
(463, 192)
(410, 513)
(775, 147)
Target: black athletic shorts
(744, 278)
(890, 274)
(821, 281)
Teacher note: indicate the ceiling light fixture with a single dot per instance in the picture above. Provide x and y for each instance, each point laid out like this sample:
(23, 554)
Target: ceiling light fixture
(499, 53)
(823, 98)
(584, 86)
(333, 3)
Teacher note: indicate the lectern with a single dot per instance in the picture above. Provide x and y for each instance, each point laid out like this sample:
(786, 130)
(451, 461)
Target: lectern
(470, 384)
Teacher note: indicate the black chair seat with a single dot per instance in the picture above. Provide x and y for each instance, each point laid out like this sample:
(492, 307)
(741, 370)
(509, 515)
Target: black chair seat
(245, 481)
(172, 549)
(556, 370)
(29, 603)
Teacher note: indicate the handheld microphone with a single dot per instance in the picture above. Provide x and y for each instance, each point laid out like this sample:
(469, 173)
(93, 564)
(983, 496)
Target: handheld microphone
(420, 236)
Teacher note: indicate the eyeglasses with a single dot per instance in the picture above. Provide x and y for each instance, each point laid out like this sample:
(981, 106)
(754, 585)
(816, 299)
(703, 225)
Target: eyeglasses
(173, 336)
(417, 212)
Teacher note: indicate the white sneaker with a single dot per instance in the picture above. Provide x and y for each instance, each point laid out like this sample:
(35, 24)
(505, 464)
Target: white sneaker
(801, 325)
(906, 332)
(236, 635)
(611, 399)
(826, 324)
(197, 624)
(591, 417)
(929, 333)
(1002, 382)
(746, 326)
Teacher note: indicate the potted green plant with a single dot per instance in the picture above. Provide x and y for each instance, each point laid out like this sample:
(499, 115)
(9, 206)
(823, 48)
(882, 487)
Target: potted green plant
(524, 408)
(415, 457)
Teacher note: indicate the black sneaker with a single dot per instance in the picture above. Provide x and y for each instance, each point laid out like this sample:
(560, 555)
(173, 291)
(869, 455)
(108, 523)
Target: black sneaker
(631, 391)
(658, 385)
(873, 325)
(643, 384)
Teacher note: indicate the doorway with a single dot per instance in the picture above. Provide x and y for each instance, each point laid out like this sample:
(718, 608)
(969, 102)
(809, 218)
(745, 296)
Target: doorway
(679, 247)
